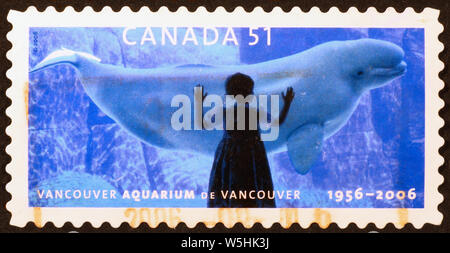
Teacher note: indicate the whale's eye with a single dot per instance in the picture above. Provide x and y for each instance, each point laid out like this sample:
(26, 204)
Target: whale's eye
(360, 73)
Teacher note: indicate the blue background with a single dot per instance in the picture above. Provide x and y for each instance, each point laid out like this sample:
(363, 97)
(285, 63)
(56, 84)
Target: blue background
(73, 145)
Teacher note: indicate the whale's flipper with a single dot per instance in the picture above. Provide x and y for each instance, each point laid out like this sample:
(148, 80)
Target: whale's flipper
(304, 145)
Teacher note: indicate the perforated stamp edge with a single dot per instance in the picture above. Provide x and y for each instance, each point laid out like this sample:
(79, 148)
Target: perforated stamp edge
(17, 111)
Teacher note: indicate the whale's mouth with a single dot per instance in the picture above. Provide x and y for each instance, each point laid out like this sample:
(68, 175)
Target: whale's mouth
(398, 70)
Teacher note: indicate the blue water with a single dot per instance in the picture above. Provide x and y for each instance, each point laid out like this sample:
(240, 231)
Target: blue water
(73, 145)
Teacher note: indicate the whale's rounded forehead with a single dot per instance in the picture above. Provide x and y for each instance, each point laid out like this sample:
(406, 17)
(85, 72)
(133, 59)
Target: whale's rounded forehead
(377, 53)
(374, 46)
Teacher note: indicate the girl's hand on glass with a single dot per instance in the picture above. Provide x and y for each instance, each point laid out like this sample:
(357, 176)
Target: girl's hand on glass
(290, 94)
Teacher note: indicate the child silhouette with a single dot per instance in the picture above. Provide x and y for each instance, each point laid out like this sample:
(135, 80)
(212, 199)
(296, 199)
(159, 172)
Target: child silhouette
(240, 161)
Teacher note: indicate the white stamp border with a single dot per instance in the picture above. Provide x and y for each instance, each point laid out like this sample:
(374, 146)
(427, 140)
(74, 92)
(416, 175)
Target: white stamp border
(18, 130)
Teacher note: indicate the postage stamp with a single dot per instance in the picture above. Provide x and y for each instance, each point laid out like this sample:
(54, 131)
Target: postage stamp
(288, 117)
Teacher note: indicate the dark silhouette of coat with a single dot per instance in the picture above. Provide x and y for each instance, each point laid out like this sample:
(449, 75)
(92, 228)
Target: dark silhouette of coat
(240, 164)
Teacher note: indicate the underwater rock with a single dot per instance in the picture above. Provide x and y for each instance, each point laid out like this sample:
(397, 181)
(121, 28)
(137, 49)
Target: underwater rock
(72, 180)
(52, 151)
(118, 157)
(182, 170)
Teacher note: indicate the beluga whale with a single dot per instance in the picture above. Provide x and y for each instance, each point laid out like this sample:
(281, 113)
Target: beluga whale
(328, 80)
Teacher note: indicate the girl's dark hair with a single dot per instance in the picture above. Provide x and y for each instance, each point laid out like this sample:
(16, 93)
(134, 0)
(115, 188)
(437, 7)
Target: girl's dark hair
(239, 84)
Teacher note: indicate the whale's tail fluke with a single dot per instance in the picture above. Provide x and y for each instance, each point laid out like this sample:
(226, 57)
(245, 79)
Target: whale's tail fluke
(62, 56)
